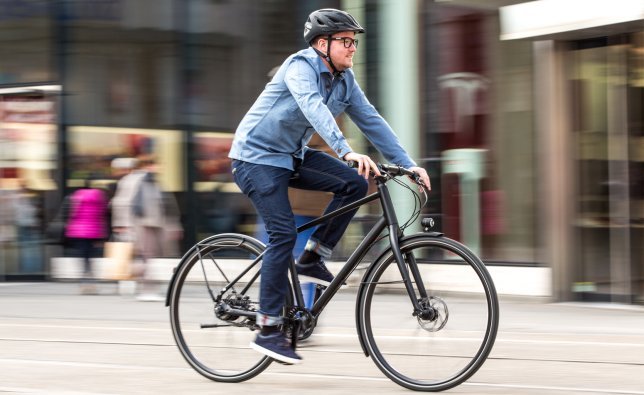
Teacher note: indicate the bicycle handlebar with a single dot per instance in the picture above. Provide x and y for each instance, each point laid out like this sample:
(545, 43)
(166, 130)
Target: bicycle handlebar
(393, 170)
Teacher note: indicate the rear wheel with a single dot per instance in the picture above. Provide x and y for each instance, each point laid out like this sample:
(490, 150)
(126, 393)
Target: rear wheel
(449, 338)
(213, 302)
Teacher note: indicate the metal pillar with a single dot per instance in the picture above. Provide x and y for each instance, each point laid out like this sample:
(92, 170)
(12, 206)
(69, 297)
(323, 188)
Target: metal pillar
(399, 81)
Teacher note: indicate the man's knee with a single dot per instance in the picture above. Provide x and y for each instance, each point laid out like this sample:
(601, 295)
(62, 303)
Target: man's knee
(284, 237)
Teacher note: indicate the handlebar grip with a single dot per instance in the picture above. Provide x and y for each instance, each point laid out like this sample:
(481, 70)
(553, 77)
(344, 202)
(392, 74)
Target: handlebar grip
(397, 170)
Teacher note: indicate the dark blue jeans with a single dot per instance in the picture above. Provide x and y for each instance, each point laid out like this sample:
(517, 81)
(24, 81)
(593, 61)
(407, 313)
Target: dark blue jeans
(267, 187)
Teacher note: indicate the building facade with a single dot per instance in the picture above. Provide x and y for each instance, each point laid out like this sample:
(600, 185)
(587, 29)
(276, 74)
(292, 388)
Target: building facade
(589, 62)
(533, 138)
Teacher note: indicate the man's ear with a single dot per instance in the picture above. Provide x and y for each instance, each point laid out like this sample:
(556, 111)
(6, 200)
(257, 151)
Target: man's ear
(322, 43)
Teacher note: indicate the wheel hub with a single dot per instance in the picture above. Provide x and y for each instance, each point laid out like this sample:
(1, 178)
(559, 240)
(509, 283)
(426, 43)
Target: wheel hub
(433, 315)
(234, 301)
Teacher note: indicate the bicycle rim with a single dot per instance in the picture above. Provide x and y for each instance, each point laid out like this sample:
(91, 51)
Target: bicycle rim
(430, 353)
(216, 343)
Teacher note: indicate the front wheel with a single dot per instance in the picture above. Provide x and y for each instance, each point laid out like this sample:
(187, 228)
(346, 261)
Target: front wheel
(447, 340)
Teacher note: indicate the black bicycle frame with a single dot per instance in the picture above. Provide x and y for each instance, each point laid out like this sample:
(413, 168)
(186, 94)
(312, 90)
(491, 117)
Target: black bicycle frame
(388, 220)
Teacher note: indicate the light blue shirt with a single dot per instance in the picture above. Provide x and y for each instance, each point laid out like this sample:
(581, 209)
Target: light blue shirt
(302, 98)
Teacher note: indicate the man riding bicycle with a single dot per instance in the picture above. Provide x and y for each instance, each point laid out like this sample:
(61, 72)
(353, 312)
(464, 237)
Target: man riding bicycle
(269, 154)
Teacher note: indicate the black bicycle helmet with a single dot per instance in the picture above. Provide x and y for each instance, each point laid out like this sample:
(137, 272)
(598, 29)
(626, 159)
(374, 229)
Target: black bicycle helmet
(328, 21)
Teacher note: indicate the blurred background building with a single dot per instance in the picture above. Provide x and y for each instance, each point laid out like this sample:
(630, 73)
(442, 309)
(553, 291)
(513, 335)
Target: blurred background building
(528, 115)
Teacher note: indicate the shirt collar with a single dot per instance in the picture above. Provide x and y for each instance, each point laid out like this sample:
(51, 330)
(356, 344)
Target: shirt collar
(321, 66)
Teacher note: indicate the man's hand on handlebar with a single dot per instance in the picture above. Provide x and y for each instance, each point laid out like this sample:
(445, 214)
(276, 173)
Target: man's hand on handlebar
(423, 176)
(365, 164)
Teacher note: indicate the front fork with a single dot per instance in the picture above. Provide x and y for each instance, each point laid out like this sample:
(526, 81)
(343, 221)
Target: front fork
(395, 233)
(406, 264)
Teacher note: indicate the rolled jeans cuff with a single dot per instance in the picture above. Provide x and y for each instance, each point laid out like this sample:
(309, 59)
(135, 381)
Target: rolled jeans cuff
(319, 248)
(267, 320)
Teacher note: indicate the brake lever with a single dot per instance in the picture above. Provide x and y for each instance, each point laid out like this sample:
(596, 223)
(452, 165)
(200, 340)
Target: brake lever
(418, 181)
(415, 177)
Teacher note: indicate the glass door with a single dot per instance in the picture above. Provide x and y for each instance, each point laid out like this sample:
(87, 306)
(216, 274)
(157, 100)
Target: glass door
(636, 163)
(606, 131)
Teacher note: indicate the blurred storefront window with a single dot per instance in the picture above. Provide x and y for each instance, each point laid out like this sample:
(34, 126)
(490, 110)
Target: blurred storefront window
(94, 148)
(28, 134)
(27, 163)
(607, 101)
(480, 123)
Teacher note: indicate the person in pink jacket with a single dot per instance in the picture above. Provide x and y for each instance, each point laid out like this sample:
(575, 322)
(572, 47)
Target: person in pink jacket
(87, 227)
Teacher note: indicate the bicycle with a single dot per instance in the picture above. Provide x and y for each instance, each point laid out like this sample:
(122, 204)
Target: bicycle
(448, 303)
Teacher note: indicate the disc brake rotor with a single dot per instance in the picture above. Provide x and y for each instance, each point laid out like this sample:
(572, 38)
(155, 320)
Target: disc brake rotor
(440, 316)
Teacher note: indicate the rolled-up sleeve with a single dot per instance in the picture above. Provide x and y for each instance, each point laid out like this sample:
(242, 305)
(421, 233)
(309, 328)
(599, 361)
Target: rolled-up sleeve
(301, 80)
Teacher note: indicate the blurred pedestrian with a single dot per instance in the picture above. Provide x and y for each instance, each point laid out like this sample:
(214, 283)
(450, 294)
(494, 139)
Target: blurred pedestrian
(86, 228)
(26, 212)
(8, 196)
(120, 167)
(138, 215)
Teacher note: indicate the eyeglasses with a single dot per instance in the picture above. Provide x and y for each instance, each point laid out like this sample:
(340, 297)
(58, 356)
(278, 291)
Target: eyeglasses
(347, 41)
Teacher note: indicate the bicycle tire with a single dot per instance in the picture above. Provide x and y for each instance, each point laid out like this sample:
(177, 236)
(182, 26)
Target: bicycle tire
(446, 351)
(220, 353)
